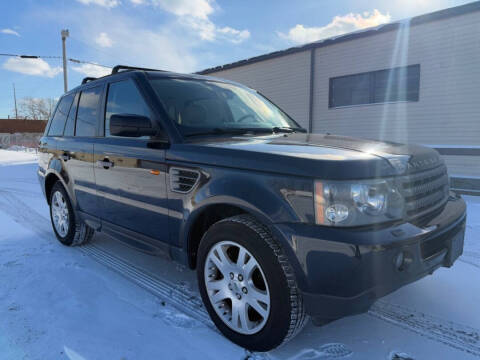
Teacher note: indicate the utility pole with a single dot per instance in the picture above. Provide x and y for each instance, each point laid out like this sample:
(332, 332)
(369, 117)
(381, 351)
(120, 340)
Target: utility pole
(15, 101)
(65, 34)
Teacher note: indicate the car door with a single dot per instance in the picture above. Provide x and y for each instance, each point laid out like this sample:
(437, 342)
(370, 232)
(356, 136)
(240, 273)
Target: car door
(131, 172)
(75, 148)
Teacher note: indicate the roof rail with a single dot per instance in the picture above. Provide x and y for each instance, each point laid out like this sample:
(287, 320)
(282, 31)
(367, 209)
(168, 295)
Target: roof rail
(117, 68)
(87, 79)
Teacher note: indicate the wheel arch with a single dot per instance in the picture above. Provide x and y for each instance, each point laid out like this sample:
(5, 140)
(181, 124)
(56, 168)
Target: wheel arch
(51, 178)
(200, 221)
(220, 208)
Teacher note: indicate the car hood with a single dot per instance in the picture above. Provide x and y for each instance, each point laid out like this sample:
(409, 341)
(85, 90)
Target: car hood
(314, 155)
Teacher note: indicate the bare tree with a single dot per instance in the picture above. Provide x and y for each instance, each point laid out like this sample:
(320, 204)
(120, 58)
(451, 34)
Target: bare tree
(51, 102)
(36, 108)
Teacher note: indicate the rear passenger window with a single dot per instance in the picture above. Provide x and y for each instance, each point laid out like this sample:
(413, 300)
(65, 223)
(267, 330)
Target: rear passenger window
(87, 114)
(58, 121)
(124, 98)
(70, 125)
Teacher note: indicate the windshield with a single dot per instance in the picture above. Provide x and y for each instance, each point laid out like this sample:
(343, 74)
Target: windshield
(199, 107)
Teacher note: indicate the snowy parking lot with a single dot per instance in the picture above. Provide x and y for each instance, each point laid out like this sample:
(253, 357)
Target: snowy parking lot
(106, 301)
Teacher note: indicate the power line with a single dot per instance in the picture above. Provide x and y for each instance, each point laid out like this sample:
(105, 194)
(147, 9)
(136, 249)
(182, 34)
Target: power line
(88, 62)
(53, 57)
(8, 55)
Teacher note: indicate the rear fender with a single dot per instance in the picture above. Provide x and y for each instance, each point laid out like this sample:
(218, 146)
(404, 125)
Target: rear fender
(55, 168)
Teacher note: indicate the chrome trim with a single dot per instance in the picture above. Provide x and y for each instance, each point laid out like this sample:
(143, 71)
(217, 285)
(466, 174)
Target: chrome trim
(175, 175)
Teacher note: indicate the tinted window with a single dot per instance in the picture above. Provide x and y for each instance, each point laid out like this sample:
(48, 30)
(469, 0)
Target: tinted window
(390, 85)
(400, 84)
(70, 125)
(58, 121)
(351, 90)
(87, 114)
(196, 106)
(124, 98)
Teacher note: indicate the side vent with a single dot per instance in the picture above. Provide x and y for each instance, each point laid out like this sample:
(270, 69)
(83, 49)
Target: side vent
(183, 180)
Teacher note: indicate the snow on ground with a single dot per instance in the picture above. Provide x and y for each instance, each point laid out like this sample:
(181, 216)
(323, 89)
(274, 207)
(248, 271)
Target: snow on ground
(106, 301)
(17, 155)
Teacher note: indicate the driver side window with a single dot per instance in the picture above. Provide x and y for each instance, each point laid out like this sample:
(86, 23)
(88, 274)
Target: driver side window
(124, 98)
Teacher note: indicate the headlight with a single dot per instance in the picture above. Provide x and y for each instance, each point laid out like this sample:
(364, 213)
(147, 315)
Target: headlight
(339, 203)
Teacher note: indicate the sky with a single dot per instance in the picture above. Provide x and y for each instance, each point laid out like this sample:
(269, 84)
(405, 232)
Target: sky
(175, 35)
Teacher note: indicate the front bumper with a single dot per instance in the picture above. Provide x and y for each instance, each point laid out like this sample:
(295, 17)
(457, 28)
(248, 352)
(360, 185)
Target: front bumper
(343, 271)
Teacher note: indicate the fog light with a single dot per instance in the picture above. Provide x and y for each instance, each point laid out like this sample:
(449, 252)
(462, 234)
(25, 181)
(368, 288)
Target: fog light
(399, 261)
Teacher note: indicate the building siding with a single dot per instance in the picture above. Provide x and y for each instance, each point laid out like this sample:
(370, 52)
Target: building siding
(463, 166)
(284, 80)
(448, 52)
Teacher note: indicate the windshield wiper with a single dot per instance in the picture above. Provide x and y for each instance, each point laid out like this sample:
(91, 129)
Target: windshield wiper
(228, 131)
(288, 130)
(243, 131)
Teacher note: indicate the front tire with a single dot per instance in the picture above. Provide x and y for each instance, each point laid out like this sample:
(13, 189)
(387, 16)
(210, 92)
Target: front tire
(247, 284)
(69, 230)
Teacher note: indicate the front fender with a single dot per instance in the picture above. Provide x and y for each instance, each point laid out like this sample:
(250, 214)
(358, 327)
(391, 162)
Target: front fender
(261, 195)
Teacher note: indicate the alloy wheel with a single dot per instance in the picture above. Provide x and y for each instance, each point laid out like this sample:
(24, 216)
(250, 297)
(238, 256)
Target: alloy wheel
(60, 214)
(237, 287)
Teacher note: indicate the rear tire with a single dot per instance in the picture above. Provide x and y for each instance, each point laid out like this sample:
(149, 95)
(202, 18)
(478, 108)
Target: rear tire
(69, 230)
(286, 313)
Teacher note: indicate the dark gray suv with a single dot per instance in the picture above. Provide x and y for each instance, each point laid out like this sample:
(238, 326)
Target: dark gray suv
(279, 224)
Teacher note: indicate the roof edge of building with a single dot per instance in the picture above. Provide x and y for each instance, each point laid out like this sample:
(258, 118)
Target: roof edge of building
(420, 19)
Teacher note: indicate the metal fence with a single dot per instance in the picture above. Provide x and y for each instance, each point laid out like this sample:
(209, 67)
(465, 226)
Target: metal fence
(20, 140)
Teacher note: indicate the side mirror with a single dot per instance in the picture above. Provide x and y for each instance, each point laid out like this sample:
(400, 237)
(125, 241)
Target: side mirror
(129, 125)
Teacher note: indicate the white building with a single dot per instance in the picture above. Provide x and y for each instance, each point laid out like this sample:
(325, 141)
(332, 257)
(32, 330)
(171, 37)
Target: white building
(412, 81)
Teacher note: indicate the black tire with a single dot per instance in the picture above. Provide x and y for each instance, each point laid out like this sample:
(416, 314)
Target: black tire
(78, 233)
(287, 313)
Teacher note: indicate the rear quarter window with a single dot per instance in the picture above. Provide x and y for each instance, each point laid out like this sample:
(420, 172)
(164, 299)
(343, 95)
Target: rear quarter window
(87, 113)
(70, 125)
(58, 120)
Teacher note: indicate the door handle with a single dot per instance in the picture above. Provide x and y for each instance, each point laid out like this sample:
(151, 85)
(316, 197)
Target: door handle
(105, 163)
(65, 156)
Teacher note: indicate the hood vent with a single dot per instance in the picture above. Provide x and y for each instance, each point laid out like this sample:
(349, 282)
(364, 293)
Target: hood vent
(183, 180)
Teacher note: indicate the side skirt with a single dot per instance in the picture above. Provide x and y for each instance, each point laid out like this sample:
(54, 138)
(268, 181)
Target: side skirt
(136, 240)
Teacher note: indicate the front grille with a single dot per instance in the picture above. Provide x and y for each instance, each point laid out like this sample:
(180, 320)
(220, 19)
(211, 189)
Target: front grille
(425, 191)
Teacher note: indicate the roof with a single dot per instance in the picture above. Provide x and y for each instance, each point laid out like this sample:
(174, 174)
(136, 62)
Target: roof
(151, 73)
(421, 19)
